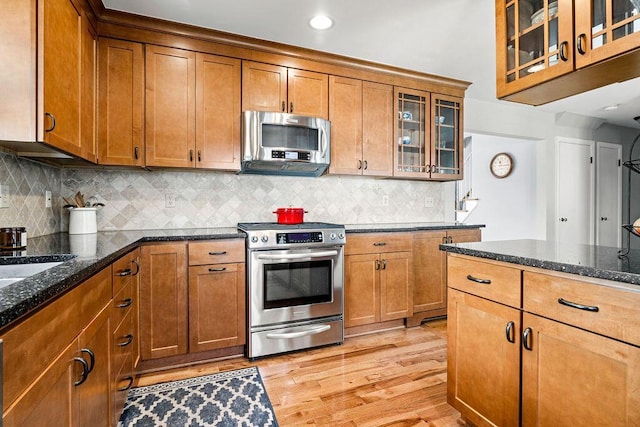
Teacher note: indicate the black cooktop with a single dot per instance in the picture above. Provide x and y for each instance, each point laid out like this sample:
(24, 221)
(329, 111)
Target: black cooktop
(259, 226)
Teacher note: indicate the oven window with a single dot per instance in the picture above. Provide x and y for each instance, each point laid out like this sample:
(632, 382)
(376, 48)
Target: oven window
(302, 138)
(297, 283)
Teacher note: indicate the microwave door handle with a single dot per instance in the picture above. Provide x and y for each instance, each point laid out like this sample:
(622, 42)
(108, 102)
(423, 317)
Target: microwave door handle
(290, 335)
(323, 143)
(299, 256)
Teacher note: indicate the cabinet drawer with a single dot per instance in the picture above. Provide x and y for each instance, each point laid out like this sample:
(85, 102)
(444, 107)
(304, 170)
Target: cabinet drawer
(369, 243)
(216, 252)
(124, 269)
(123, 342)
(121, 305)
(495, 282)
(122, 378)
(618, 310)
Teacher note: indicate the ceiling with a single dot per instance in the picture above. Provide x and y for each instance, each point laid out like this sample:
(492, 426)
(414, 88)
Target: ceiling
(452, 38)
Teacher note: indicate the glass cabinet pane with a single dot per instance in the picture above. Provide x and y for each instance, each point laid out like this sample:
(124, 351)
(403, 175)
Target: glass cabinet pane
(411, 153)
(447, 156)
(624, 20)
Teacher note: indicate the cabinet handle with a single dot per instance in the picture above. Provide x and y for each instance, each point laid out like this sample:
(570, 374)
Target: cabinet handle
(92, 359)
(125, 303)
(283, 106)
(380, 244)
(475, 279)
(526, 336)
(591, 308)
(359, 164)
(85, 370)
(128, 340)
(125, 272)
(199, 156)
(214, 270)
(135, 262)
(511, 333)
(128, 386)
(191, 156)
(53, 122)
(291, 107)
(366, 165)
(384, 264)
(377, 265)
(136, 153)
(218, 253)
(580, 46)
(564, 46)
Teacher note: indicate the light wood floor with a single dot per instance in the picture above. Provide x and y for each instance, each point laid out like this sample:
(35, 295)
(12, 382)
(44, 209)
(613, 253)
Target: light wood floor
(395, 378)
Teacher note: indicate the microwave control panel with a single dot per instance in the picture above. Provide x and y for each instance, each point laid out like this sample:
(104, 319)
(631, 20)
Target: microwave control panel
(291, 155)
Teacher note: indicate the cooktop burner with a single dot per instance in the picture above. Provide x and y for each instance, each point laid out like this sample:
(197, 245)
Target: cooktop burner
(258, 226)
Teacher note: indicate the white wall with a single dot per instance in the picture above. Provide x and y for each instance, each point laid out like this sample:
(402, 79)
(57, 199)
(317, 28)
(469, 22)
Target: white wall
(508, 206)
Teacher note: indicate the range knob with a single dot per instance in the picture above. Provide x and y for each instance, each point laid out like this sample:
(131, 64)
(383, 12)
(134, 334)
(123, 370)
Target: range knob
(332, 236)
(341, 235)
(265, 239)
(254, 239)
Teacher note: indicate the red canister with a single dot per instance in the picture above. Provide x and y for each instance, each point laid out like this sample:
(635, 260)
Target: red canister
(290, 215)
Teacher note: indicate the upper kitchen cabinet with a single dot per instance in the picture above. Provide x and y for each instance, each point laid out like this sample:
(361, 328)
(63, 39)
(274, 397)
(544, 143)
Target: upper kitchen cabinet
(192, 109)
(267, 87)
(428, 135)
(550, 49)
(361, 127)
(120, 102)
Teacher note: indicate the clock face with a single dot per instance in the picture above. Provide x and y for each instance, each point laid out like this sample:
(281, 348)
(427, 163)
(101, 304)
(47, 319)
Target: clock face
(501, 165)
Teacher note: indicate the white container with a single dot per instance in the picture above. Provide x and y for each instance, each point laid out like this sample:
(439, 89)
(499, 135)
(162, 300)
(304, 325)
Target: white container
(83, 245)
(82, 221)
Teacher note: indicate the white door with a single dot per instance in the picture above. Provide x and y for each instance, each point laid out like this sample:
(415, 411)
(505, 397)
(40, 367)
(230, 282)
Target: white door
(575, 191)
(608, 194)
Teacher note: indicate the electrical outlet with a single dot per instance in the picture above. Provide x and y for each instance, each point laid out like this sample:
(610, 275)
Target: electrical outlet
(385, 200)
(4, 197)
(170, 200)
(428, 202)
(47, 199)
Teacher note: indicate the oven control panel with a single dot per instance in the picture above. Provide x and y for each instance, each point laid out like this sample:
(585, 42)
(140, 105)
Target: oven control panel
(299, 237)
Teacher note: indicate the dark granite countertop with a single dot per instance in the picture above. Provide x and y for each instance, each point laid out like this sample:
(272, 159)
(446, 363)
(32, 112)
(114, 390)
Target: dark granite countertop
(82, 255)
(584, 260)
(408, 226)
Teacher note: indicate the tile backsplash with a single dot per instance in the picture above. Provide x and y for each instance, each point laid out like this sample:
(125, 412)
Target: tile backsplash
(138, 199)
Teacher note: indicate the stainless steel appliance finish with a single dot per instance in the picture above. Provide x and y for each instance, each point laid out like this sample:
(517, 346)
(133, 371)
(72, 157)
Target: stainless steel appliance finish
(285, 144)
(295, 277)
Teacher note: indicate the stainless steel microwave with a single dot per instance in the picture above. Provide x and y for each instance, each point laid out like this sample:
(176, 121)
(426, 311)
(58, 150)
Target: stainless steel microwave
(285, 144)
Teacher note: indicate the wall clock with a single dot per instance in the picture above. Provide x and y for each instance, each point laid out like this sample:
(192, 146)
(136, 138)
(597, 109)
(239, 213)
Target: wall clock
(501, 165)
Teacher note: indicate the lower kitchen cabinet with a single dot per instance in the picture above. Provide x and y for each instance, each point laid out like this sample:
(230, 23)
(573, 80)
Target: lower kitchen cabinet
(163, 301)
(378, 278)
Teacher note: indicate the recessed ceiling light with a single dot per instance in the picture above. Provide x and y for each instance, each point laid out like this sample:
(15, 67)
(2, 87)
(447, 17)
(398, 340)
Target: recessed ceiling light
(611, 107)
(321, 22)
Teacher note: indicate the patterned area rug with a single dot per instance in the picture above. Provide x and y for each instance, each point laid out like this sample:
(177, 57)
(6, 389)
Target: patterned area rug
(234, 398)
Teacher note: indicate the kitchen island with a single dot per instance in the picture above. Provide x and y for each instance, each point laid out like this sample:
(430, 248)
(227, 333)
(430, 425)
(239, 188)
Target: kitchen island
(543, 333)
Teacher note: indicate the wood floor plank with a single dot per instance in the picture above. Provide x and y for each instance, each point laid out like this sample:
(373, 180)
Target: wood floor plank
(395, 378)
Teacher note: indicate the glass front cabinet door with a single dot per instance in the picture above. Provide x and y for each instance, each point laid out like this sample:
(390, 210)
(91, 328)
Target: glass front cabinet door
(534, 42)
(428, 135)
(605, 28)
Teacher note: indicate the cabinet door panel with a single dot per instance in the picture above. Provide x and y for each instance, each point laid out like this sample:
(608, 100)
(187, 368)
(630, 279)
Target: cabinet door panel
(396, 290)
(264, 87)
(345, 114)
(88, 76)
(361, 290)
(120, 102)
(483, 367)
(429, 286)
(308, 93)
(218, 112)
(222, 286)
(163, 301)
(377, 129)
(170, 107)
(575, 378)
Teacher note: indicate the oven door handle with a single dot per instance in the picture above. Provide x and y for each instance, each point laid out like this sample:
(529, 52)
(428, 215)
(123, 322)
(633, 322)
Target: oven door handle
(290, 335)
(299, 256)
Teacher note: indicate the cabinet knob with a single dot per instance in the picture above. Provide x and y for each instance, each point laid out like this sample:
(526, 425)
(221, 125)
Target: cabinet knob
(284, 106)
(291, 107)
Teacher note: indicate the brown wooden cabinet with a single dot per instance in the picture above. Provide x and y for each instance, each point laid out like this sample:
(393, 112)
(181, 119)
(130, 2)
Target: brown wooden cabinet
(120, 102)
(163, 301)
(216, 275)
(192, 109)
(541, 43)
(378, 278)
(267, 87)
(361, 127)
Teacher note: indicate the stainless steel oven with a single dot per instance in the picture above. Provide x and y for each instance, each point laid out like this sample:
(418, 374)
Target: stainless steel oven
(295, 276)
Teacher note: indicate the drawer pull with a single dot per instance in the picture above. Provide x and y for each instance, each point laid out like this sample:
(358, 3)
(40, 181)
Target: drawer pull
(475, 279)
(380, 244)
(526, 337)
(218, 253)
(218, 269)
(128, 340)
(85, 370)
(511, 333)
(134, 262)
(592, 308)
(125, 303)
(92, 359)
(128, 386)
(125, 272)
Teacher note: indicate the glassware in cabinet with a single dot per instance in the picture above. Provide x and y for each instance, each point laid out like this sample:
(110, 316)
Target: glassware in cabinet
(411, 157)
